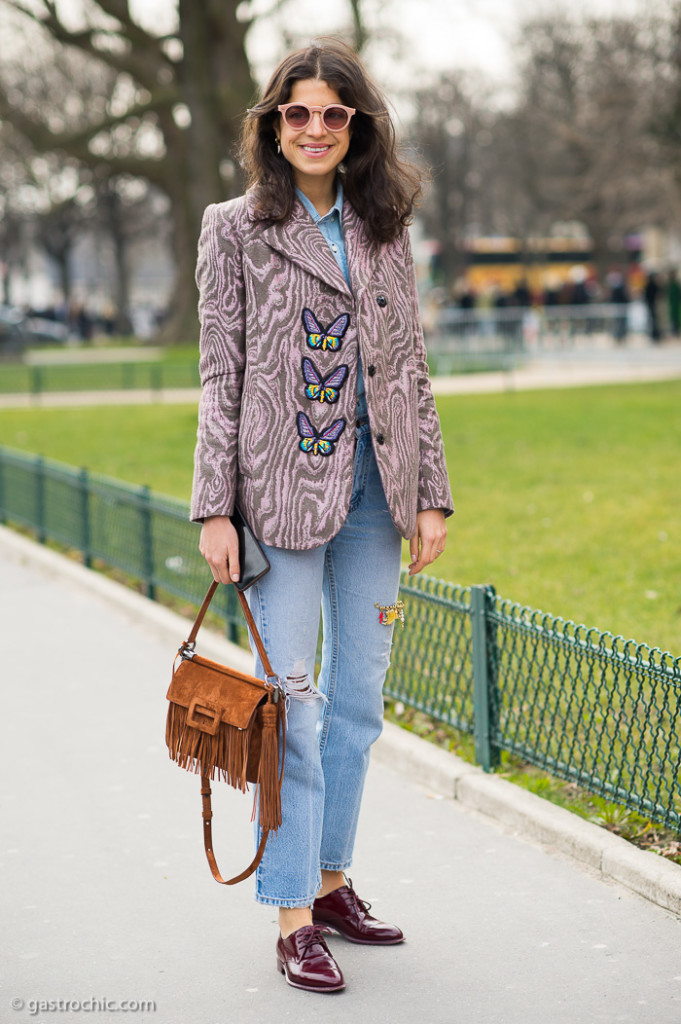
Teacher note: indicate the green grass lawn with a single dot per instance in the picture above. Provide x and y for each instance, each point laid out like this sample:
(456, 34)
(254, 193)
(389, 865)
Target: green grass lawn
(569, 501)
(177, 370)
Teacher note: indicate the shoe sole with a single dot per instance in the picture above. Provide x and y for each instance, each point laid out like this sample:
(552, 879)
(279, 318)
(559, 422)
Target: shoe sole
(359, 942)
(307, 988)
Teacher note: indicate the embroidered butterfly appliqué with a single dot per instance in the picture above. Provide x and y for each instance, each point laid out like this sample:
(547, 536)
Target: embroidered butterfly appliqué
(325, 338)
(323, 389)
(322, 443)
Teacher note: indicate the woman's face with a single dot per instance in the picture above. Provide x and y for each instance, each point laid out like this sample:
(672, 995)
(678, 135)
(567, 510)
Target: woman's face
(314, 153)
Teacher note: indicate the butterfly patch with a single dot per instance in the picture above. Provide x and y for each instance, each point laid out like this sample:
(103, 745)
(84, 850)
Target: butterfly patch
(325, 337)
(322, 443)
(323, 389)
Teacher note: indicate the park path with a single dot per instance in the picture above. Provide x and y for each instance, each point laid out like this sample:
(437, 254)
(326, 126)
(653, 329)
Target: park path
(556, 369)
(106, 892)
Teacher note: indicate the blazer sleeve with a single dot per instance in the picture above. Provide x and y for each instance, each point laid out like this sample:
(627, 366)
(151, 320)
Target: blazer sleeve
(433, 489)
(222, 345)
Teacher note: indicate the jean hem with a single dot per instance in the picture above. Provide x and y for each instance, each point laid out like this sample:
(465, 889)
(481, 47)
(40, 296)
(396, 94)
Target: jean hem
(275, 901)
(336, 867)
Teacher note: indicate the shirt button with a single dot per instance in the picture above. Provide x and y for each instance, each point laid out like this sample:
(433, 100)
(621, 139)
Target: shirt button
(382, 301)
(371, 370)
(380, 439)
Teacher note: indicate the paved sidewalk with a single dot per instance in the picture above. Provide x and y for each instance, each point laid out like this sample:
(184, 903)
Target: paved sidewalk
(107, 894)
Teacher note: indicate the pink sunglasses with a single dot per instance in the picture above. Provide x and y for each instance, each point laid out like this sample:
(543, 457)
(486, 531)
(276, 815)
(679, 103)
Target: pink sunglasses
(335, 117)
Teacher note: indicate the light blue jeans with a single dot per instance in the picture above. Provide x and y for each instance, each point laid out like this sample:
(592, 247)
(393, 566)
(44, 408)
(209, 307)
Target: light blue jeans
(331, 726)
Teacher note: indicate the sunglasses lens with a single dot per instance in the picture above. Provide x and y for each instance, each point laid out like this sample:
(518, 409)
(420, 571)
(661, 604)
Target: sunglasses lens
(335, 118)
(297, 117)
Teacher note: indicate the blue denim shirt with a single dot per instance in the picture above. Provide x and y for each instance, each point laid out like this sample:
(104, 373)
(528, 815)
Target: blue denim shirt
(331, 227)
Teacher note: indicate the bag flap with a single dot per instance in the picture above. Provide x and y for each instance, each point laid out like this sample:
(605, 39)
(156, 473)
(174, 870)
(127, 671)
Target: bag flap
(235, 694)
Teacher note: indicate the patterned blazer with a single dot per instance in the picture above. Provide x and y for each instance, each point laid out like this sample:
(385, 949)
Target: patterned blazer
(280, 335)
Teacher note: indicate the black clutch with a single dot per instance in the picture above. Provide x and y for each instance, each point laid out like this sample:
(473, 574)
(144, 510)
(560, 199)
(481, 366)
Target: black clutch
(253, 561)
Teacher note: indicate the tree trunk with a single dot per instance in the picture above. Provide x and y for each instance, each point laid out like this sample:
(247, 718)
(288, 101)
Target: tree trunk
(7, 284)
(217, 87)
(111, 208)
(181, 325)
(62, 257)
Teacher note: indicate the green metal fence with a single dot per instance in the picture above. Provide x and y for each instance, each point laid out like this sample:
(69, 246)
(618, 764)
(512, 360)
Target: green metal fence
(580, 703)
(22, 378)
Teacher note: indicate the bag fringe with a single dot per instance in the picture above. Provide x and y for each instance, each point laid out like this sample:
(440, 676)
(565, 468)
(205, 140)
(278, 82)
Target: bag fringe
(224, 755)
(268, 777)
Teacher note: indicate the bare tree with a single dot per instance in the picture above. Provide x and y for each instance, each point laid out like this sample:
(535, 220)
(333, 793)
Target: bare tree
(162, 107)
(664, 44)
(451, 133)
(592, 136)
(13, 178)
(126, 211)
(585, 150)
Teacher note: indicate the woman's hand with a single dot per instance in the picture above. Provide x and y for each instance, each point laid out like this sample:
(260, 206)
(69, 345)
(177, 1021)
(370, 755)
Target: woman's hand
(219, 545)
(429, 540)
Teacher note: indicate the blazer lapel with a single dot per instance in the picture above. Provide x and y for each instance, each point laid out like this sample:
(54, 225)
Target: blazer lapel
(362, 254)
(300, 240)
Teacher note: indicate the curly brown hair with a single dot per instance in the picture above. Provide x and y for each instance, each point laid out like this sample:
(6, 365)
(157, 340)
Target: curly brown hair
(382, 188)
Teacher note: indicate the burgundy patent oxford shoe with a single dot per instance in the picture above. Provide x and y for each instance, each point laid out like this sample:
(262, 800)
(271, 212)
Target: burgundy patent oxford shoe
(348, 915)
(304, 958)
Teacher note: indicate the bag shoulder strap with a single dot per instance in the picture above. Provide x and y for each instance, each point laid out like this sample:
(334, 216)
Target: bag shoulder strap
(253, 629)
(207, 813)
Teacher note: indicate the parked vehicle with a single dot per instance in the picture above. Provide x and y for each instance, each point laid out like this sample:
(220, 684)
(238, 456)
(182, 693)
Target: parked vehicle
(19, 331)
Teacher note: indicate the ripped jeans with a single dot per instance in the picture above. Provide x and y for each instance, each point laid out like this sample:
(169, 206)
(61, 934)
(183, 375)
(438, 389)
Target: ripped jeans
(331, 726)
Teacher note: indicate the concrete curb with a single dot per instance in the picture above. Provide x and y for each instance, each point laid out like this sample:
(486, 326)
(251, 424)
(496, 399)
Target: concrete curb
(646, 874)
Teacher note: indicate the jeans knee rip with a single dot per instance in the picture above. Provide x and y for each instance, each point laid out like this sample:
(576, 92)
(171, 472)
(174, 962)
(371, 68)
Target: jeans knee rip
(299, 686)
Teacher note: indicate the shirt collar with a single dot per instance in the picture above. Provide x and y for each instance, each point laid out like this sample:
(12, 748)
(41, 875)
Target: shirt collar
(310, 207)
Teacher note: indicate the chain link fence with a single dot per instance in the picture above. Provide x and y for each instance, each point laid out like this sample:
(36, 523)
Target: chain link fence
(582, 704)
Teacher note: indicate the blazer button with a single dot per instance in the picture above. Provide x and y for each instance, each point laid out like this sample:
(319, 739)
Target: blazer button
(371, 370)
(382, 301)
(380, 439)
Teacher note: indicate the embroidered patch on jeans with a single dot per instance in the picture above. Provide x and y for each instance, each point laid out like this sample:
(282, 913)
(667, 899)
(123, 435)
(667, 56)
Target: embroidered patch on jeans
(318, 443)
(389, 613)
(325, 338)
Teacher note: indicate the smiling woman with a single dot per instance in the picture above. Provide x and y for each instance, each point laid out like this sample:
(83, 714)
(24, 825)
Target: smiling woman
(318, 421)
(315, 149)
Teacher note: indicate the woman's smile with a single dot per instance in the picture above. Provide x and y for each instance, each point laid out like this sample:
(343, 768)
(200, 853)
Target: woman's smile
(315, 152)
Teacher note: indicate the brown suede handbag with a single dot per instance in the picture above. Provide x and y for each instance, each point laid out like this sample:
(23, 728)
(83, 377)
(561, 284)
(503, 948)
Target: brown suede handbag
(225, 723)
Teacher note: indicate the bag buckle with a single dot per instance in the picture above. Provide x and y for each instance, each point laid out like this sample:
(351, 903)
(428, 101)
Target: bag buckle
(208, 719)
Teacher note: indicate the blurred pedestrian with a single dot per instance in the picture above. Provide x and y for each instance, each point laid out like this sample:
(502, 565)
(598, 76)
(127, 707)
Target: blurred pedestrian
(619, 296)
(521, 294)
(674, 300)
(651, 294)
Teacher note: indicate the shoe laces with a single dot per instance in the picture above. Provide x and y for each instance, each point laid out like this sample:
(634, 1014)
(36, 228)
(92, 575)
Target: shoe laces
(360, 903)
(314, 935)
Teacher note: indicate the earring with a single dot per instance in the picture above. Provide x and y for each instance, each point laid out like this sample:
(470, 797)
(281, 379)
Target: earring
(278, 144)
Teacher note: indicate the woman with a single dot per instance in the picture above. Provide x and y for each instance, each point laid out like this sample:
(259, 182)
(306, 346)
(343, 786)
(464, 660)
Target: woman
(317, 419)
